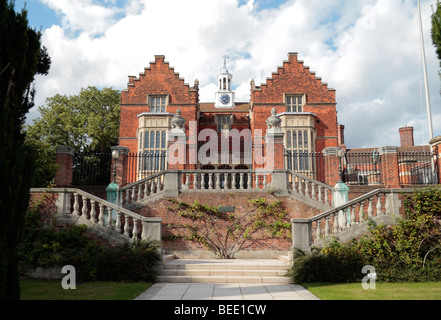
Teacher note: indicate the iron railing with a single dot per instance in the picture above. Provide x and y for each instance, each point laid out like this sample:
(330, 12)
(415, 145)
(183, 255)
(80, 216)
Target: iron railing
(308, 164)
(418, 168)
(91, 168)
(362, 168)
(144, 164)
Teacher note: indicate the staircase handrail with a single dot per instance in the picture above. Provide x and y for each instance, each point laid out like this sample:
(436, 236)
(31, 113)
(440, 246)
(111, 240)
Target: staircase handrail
(89, 212)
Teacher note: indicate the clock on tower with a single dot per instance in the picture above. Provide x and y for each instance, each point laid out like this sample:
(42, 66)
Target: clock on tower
(224, 95)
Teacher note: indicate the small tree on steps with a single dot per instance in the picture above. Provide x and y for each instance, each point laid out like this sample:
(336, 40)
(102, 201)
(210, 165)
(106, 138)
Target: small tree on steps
(226, 233)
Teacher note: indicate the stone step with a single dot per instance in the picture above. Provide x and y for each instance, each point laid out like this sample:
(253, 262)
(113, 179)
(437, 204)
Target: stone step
(233, 264)
(224, 279)
(225, 271)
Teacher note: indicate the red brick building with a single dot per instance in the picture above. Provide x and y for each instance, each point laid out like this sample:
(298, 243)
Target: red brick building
(305, 105)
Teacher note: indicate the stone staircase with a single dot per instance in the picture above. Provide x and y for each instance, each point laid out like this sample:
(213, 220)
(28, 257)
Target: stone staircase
(225, 271)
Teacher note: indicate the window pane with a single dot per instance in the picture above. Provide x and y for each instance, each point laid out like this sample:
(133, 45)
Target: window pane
(152, 139)
(305, 135)
(163, 139)
(146, 139)
(300, 140)
(140, 140)
(294, 139)
(158, 137)
(288, 139)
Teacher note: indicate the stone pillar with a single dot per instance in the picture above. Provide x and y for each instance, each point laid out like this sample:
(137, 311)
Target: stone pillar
(301, 234)
(65, 160)
(274, 150)
(177, 150)
(332, 165)
(389, 167)
(121, 165)
(435, 143)
(172, 183)
(177, 143)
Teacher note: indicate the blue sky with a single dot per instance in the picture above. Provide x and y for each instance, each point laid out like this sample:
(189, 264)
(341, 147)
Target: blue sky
(368, 50)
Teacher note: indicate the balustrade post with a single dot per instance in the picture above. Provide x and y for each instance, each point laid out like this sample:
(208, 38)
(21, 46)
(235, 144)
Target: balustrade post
(146, 189)
(101, 215)
(307, 188)
(93, 216)
(352, 209)
(218, 180)
(109, 218)
(301, 234)
(370, 208)
(361, 212)
(317, 231)
(135, 230)
(118, 221)
(140, 193)
(126, 225)
(335, 227)
(379, 208)
(76, 205)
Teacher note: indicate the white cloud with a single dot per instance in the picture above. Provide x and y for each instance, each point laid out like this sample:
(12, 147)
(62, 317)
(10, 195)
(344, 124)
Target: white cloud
(367, 50)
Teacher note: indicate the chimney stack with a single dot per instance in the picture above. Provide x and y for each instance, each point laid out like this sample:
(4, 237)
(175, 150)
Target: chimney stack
(341, 136)
(406, 136)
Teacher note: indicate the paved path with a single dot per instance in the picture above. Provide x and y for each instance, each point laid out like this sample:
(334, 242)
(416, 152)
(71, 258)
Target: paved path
(225, 291)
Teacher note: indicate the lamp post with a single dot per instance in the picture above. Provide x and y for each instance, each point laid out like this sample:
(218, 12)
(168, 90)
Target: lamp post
(375, 159)
(115, 156)
(113, 188)
(340, 155)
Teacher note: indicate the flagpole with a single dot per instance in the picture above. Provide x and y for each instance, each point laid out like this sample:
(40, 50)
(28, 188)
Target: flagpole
(429, 112)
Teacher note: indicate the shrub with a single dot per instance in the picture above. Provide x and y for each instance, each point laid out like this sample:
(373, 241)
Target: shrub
(409, 251)
(45, 246)
(341, 264)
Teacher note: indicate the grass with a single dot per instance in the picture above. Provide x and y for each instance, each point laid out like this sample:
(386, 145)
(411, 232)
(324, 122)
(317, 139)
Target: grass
(383, 291)
(52, 290)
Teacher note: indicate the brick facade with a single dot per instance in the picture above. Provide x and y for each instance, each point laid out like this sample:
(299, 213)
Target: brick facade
(293, 78)
(159, 208)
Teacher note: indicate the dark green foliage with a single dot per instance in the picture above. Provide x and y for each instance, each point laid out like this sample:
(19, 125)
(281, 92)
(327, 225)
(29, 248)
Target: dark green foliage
(88, 121)
(21, 58)
(317, 266)
(409, 251)
(45, 246)
(436, 29)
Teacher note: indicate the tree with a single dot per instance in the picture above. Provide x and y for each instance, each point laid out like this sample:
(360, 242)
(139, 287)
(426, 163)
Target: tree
(227, 233)
(21, 58)
(436, 29)
(88, 121)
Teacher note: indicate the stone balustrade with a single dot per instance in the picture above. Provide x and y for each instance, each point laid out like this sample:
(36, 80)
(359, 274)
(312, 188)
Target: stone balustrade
(142, 190)
(375, 204)
(310, 188)
(77, 206)
(217, 180)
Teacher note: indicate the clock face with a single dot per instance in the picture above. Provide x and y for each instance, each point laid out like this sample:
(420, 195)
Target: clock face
(224, 99)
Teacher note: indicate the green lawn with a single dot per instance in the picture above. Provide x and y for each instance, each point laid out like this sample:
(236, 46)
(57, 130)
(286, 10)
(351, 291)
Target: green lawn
(383, 291)
(52, 290)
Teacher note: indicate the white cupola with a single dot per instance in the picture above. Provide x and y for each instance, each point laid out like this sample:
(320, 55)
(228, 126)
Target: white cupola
(224, 95)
